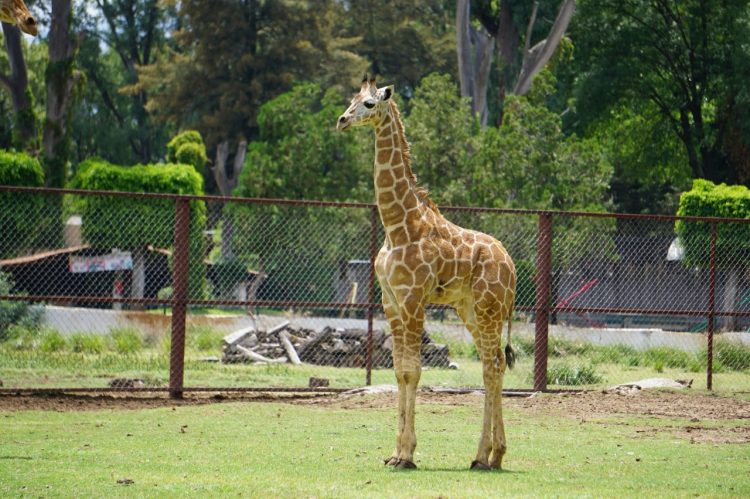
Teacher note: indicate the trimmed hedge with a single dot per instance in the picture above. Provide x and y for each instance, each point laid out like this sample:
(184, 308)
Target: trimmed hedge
(188, 148)
(707, 199)
(20, 213)
(132, 223)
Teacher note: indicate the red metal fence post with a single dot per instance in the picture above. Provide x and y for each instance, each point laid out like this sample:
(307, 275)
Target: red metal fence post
(543, 286)
(371, 288)
(179, 298)
(711, 310)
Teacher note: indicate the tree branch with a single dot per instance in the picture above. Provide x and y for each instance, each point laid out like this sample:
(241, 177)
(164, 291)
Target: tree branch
(537, 57)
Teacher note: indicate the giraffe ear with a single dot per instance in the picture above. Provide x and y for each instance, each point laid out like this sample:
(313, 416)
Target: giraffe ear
(388, 93)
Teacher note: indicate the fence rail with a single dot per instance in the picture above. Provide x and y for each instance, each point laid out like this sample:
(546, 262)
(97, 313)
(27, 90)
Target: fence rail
(92, 278)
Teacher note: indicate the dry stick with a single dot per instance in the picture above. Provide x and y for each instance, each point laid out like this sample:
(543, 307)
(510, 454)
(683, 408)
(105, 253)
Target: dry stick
(258, 357)
(290, 351)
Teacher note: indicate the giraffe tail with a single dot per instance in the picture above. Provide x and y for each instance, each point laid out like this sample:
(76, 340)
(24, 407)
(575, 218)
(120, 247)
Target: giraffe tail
(510, 353)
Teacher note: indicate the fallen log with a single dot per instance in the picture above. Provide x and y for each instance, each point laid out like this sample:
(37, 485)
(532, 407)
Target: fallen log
(290, 351)
(258, 357)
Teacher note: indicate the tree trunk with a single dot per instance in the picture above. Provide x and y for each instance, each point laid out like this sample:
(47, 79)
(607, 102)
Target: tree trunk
(226, 185)
(475, 48)
(17, 83)
(536, 57)
(61, 80)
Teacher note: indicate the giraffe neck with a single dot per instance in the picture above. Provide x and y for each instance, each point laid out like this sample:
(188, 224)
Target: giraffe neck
(400, 202)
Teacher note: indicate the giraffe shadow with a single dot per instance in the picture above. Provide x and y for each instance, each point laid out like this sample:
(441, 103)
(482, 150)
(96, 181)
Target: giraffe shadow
(423, 469)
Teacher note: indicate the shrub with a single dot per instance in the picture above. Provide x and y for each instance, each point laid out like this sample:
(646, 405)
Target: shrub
(732, 354)
(23, 337)
(564, 374)
(15, 312)
(559, 347)
(182, 139)
(20, 213)
(126, 340)
(661, 357)
(204, 338)
(52, 341)
(617, 354)
(86, 343)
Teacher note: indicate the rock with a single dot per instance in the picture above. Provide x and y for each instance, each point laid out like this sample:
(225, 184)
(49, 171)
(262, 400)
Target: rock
(453, 365)
(318, 382)
(127, 383)
(650, 383)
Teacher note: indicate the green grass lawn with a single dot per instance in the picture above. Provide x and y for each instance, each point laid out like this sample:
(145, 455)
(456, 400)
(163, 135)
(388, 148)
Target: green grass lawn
(280, 450)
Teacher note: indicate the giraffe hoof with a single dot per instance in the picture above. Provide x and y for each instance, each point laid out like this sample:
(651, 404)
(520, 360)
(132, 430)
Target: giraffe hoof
(476, 465)
(391, 461)
(403, 464)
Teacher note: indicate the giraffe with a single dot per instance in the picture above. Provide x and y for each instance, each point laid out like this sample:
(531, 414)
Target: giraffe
(15, 12)
(426, 259)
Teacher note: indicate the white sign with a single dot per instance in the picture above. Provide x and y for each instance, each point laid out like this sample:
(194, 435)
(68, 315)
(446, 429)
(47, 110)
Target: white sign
(103, 263)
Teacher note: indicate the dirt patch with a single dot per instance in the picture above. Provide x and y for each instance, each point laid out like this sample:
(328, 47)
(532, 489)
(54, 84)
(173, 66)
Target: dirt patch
(115, 401)
(585, 406)
(676, 404)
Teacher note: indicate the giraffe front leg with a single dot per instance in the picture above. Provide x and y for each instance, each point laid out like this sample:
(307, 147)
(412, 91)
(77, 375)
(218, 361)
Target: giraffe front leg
(408, 373)
(397, 333)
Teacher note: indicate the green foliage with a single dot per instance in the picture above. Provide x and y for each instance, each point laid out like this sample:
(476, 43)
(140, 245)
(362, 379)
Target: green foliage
(731, 355)
(261, 49)
(126, 341)
(443, 136)
(564, 374)
(87, 343)
(669, 58)
(187, 148)
(52, 341)
(155, 217)
(707, 199)
(300, 155)
(204, 338)
(20, 213)
(14, 313)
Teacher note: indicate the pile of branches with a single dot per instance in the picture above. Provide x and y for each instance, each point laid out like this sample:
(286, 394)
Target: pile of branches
(328, 347)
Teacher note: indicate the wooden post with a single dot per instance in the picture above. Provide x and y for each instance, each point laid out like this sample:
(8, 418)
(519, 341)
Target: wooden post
(543, 286)
(711, 309)
(179, 298)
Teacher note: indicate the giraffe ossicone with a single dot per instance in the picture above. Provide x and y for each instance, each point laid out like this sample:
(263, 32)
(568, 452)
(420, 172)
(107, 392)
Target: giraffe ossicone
(426, 259)
(16, 12)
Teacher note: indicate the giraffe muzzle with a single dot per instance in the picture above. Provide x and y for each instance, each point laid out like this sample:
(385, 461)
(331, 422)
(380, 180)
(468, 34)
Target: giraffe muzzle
(343, 123)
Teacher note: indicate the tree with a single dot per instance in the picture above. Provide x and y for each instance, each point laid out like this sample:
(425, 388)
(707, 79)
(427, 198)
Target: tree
(119, 37)
(707, 199)
(687, 59)
(17, 84)
(257, 51)
(62, 77)
(403, 40)
(500, 33)
(299, 155)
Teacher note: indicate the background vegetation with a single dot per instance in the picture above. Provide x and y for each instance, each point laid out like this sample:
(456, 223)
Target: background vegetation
(636, 99)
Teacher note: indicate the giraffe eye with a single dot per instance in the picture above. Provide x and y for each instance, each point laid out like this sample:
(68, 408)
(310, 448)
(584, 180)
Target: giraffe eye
(369, 104)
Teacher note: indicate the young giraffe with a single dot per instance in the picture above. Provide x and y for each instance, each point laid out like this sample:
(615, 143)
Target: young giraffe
(427, 259)
(15, 12)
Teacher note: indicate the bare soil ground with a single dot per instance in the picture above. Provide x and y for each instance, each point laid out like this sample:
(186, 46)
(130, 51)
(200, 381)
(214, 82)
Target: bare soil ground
(712, 418)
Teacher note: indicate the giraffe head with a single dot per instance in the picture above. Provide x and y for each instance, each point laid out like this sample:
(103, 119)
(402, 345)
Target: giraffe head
(16, 12)
(367, 106)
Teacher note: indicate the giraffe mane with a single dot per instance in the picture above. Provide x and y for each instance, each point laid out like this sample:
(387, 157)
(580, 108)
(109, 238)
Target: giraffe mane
(422, 193)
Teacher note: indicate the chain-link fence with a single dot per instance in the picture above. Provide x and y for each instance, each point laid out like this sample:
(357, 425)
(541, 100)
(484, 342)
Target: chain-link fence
(128, 291)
